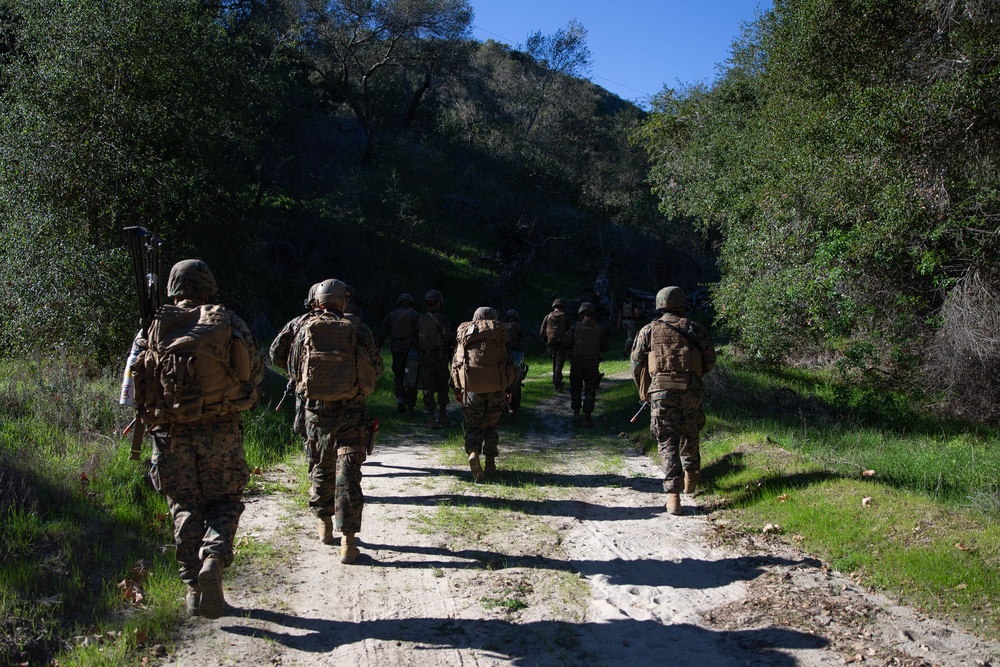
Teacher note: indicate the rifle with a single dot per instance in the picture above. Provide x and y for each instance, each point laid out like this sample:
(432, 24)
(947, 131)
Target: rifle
(145, 251)
(288, 390)
(645, 404)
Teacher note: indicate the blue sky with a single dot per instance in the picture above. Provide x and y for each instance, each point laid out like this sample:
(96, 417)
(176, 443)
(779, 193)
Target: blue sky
(637, 46)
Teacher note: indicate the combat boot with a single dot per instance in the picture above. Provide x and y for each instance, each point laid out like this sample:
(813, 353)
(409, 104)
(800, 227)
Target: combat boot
(213, 601)
(430, 418)
(326, 530)
(491, 465)
(475, 467)
(193, 600)
(576, 416)
(349, 551)
(587, 421)
(674, 503)
(691, 480)
(443, 417)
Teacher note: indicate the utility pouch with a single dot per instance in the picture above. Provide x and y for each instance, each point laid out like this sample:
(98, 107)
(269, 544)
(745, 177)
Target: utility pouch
(673, 381)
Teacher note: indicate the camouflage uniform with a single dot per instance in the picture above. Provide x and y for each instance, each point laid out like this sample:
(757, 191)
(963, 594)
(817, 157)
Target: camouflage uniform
(629, 316)
(584, 372)
(434, 376)
(337, 434)
(200, 466)
(481, 413)
(556, 348)
(400, 326)
(677, 415)
(280, 347)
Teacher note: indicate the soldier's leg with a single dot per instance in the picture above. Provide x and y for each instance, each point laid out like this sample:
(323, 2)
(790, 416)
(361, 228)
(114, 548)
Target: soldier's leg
(350, 501)
(591, 377)
(398, 373)
(576, 378)
(559, 360)
(444, 394)
(323, 476)
(173, 474)
(223, 475)
(664, 427)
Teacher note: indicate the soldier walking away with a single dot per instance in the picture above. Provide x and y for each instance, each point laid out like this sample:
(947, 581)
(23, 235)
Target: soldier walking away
(436, 342)
(516, 332)
(584, 343)
(280, 347)
(352, 307)
(553, 330)
(669, 358)
(482, 371)
(400, 326)
(628, 316)
(195, 373)
(336, 364)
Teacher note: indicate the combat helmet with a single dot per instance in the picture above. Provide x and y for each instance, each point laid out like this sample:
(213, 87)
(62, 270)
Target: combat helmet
(484, 313)
(512, 315)
(558, 303)
(191, 277)
(671, 299)
(587, 308)
(331, 292)
(404, 298)
(434, 295)
(311, 297)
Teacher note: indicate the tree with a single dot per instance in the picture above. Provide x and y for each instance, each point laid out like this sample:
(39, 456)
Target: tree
(357, 47)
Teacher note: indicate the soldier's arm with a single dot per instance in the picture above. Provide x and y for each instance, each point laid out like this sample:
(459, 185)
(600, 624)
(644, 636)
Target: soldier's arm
(281, 343)
(708, 356)
(640, 353)
(256, 356)
(541, 330)
(374, 354)
(605, 342)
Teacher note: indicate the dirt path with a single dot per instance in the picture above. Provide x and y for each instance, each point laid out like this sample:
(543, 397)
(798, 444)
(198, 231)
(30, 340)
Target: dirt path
(575, 565)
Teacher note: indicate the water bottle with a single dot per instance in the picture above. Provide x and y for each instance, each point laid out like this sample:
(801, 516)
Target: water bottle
(127, 396)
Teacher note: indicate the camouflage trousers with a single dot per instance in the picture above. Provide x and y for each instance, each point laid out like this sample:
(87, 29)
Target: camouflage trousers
(584, 376)
(481, 413)
(629, 325)
(558, 354)
(335, 477)
(403, 393)
(201, 469)
(677, 419)
(434, 378)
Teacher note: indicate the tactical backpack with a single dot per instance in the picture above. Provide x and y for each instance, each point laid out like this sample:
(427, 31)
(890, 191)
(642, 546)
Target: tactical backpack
(429, 334)
(195, 366)
(673, 356)
(556, 325)
(586, 341)
(482, 363)
(332, 365)
(402, 326)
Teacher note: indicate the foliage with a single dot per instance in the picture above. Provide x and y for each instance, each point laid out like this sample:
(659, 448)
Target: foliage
(846, 159)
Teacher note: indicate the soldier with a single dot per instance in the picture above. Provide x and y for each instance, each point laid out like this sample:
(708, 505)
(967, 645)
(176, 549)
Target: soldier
(352, 307)
(584, 342)
(482, 371)
(436, 342)
(198, 370)
(279, 357)
(400, 326)
(553, 330)
(338, 427)
(627, 318)
(516, 332)
(669, 357)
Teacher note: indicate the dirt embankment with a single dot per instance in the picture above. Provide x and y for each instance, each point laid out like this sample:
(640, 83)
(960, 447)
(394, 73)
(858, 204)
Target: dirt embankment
(578, 566)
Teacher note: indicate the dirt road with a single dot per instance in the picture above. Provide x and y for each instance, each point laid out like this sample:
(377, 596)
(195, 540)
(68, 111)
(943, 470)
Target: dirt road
(570, 560)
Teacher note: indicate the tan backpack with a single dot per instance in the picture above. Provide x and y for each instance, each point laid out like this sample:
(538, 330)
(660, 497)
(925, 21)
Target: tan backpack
(482, 363)
(429, 334)
(556, 325)
(673, 356)
(195, 366)
(332, 365)
(587, 340)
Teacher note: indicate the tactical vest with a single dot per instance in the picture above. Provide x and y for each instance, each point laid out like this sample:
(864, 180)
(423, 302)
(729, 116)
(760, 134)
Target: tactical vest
(481, 363)
(673, 356)
(429, 334)
(586, 340)
(332, 364)
(401, 324)
(556, 325)
(195, 367)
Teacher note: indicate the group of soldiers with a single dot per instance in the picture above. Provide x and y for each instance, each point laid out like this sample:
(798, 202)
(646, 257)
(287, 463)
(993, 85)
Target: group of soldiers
(198, 461)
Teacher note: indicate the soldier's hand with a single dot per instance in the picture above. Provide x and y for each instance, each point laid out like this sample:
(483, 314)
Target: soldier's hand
(459, 395)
